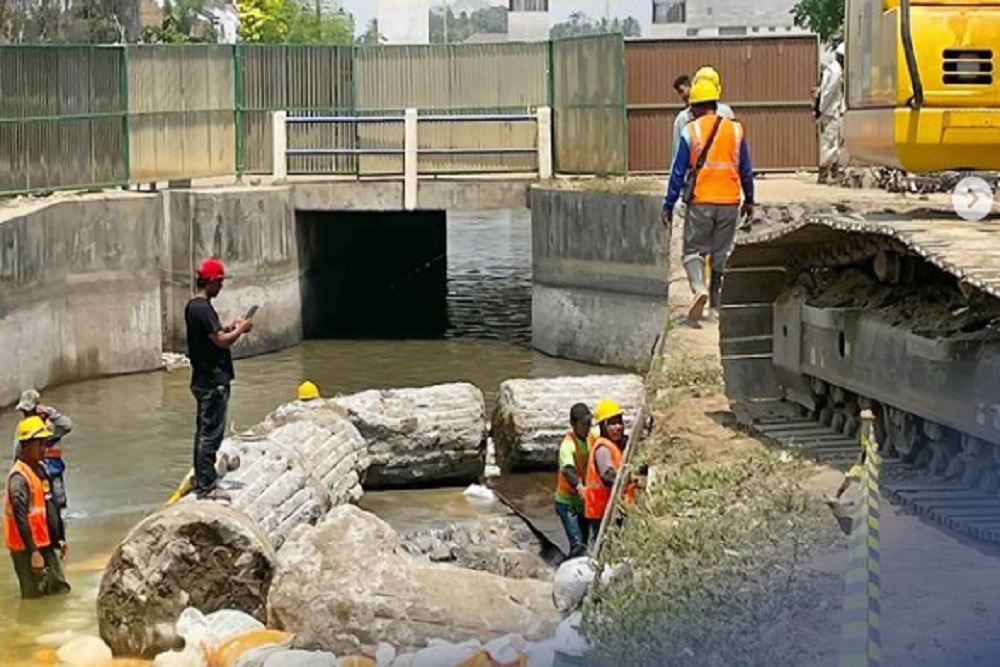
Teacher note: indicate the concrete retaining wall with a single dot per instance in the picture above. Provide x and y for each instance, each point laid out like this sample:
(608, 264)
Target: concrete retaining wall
(79, 290)
(252, 230)
(600, 275)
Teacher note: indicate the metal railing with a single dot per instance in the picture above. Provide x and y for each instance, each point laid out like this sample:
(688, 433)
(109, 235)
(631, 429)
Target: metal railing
(410, 148)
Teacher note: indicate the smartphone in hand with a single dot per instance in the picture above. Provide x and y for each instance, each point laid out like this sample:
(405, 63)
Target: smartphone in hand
(251, 313)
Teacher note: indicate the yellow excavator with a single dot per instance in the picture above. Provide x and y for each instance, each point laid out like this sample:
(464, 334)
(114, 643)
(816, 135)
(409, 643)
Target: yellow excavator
(828, 315)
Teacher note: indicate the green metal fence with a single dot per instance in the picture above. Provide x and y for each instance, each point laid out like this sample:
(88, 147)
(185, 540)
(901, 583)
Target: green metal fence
(589, 105)
(79, 117)
(63, 120)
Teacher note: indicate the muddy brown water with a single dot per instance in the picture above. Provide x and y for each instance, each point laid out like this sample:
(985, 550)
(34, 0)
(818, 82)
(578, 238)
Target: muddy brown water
(132, 438)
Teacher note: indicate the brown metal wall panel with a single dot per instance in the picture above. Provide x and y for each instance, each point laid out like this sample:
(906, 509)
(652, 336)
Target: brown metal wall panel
(182, 112)
(451, 79)
(588, 121)
(768, 82)
(62, 117)
(302, 80)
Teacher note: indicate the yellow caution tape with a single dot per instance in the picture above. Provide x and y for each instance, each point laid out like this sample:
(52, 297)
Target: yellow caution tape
(860, 636)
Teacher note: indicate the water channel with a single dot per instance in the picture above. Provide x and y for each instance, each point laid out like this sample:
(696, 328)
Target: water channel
(132, 438)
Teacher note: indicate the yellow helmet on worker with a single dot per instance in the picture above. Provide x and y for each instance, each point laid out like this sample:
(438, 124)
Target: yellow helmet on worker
(606, 409)
(704, 90)
(710, 74)
(32, 428)
(308, 391)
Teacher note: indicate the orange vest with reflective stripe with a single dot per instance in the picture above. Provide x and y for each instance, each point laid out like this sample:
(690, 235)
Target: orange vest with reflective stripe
(596, 495)
(37, 518)
(562, 484)
(719, 179)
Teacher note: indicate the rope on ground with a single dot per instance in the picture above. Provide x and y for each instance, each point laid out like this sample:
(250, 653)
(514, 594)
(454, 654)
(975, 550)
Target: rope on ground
(860, 637)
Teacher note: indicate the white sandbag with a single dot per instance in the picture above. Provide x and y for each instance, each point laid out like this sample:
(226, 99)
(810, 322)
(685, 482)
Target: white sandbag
(385, 655)
(444, 654)
(259, 656)
(226, 623)
(568, 638)
(542, 654)
(507, 650)
(571, 582)
(299, 658)
(403, 660)
(84, 652)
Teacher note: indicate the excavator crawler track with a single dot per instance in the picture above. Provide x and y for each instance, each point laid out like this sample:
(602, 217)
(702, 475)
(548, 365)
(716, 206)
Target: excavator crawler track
(827, 315)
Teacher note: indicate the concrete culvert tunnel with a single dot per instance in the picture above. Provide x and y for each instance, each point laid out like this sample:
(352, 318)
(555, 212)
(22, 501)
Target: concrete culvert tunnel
(373, 274)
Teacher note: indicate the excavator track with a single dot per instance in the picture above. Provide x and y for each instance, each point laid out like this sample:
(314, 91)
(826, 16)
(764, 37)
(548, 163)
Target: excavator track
(826, 315)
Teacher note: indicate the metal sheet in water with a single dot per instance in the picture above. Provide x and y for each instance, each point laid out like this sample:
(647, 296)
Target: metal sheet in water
(532, 497)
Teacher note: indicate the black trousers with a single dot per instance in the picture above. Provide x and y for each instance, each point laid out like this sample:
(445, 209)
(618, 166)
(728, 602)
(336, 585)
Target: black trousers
(210, 426)
(51, 581)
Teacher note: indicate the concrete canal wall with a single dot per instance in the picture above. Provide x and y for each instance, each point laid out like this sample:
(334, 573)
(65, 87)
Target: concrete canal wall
(96, 284)
(600, 274)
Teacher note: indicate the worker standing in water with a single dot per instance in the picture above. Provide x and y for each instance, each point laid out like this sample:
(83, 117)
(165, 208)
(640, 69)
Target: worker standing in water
(573, 454)
(829, 113)
(711, 168)
(60, 425)
(212, 373)
(32, 523)
(604, 462)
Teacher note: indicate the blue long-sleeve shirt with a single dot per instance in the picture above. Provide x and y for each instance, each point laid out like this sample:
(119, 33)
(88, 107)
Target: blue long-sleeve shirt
(682, 162)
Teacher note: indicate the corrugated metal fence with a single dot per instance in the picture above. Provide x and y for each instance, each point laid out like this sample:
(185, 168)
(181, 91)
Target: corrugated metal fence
(85, 116)
(767, 81)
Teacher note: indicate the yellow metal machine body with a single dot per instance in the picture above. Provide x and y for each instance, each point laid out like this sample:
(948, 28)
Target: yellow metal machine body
(923, 93)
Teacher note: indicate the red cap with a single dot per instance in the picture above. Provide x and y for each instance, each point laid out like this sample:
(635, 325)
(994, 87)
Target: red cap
(211, 269)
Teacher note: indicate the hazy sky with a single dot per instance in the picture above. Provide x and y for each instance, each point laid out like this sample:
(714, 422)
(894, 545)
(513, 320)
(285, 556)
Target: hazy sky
(364, 10)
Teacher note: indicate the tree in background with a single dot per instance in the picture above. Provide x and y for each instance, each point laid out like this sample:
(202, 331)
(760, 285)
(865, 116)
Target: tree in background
(823, 17)
(289, 22)
(581, 24)
(459, 27)
(181, 24)
(93, 21)
(371, 36)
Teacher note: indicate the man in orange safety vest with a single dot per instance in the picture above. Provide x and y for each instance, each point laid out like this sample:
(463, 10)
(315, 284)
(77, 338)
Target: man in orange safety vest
(32, 523)
(604, 462)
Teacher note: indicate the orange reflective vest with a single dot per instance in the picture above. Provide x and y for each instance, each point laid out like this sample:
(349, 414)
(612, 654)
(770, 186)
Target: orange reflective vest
(596, 494)
(719, 179)
(562, 484)
(37, 518)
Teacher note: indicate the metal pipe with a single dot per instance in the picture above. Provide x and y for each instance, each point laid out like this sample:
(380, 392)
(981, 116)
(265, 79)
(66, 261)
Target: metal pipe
(906, 34)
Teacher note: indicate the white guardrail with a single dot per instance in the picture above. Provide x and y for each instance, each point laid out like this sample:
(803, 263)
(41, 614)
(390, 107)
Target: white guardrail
(411, 150)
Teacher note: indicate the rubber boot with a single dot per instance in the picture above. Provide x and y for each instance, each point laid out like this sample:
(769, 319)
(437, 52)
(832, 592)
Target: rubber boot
(715, 294)
(695, 268)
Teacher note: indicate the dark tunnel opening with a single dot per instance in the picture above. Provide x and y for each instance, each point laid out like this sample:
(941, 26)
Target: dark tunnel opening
(373, 274)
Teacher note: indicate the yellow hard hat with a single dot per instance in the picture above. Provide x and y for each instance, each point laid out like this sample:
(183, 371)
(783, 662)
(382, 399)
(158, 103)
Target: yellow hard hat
(31, 428)
(704, 90)
(606, 409)
(708, 73)
(308, 391)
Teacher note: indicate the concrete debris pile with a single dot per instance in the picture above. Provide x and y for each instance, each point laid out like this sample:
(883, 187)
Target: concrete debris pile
(291, 548)
(531, 417)
(214, 556)
(503, 546)
(348, 582)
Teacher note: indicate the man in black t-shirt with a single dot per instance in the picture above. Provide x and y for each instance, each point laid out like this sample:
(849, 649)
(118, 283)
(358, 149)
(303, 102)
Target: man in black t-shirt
(212, 372)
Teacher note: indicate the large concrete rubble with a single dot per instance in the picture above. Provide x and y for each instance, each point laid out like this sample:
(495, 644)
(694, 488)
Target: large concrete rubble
(531, 417)
(415, 436)
(213, 556)
(348, 582)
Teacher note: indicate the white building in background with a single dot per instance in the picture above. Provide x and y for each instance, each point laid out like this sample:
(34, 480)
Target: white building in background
(723, 18)
(527, 20)
(404, 21)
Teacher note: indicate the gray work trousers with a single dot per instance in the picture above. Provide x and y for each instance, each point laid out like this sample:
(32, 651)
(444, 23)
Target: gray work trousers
(710, 229)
